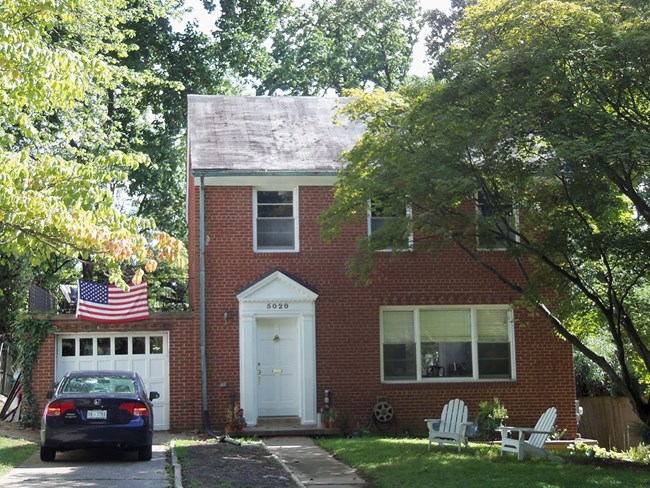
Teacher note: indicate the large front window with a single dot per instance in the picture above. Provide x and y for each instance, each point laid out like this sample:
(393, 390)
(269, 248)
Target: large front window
(275, 220)
(434, 343)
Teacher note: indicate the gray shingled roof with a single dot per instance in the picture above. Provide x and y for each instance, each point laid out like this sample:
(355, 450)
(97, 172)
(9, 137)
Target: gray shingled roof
(258, 134)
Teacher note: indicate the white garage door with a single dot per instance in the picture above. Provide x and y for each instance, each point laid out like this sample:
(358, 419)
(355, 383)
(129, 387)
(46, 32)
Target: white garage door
(145, 353)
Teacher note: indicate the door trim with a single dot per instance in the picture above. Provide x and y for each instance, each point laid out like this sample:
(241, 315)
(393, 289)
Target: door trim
(291, 299)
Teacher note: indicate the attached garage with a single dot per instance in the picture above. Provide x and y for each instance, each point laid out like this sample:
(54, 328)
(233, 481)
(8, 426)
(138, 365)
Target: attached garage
(146, 353)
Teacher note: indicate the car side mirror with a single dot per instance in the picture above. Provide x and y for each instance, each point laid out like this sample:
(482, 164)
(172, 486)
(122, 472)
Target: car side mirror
(153, 395)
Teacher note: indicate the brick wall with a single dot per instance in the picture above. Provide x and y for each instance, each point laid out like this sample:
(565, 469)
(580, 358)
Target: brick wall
(347, 316)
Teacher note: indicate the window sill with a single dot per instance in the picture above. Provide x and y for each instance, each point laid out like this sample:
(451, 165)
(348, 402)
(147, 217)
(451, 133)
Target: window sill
(283, 251)
(447, 379)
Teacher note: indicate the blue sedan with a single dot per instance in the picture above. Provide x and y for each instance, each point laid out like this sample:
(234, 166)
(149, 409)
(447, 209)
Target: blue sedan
(98, 409)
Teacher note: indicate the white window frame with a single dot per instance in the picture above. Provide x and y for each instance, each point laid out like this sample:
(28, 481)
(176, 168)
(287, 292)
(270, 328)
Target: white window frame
(474, 343)
(498, 246)
(408, 212)
(296, 227)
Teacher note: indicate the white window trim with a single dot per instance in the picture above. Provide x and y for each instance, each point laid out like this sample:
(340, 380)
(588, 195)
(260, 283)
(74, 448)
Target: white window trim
(474, 338)
(296, 220)
(409, 213)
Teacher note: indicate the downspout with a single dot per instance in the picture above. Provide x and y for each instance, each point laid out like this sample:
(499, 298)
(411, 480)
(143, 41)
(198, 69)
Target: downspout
(204, 368)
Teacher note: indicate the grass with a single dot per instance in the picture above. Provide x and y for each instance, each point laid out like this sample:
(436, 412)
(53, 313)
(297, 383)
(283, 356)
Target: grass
(13, 452)
(405, 463)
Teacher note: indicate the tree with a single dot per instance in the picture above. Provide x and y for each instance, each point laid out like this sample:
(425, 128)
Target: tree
(543, 124)
(177, 63)
(327, 45)
(59, 143)
(242, 30)
(170, 66)
(442, 33)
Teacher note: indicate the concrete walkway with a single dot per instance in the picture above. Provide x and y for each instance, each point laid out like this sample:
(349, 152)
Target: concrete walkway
(311, 466)
(308, 465)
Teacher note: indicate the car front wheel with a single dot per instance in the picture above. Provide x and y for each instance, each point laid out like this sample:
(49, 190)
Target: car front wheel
(47, 454)
(144, 453)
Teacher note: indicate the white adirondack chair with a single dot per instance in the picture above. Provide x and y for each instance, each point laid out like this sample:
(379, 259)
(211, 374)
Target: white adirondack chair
(521, 440)
(450, 427)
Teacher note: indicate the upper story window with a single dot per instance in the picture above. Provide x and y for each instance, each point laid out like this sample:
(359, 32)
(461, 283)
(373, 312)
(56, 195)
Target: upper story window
(276, 220)
(437, 343)
(495, 225)
(379, 216)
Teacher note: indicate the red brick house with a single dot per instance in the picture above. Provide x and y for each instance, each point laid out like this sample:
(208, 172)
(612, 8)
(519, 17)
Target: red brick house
(284, 322)
(276, 321)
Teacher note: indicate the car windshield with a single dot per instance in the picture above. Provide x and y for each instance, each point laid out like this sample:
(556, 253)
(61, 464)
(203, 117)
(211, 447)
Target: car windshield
(98, 384)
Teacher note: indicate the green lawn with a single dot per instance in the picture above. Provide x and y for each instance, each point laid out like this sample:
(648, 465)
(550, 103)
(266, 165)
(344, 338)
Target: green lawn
(404, 463)
(13, 452)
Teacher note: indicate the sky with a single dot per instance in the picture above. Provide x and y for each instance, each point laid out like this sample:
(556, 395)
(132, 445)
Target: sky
(419, 66)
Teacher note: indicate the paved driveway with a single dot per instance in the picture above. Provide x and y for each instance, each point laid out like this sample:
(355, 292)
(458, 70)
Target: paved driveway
(106, 468)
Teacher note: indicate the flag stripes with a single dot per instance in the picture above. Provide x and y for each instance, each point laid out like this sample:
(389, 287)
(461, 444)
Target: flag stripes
(109, 304)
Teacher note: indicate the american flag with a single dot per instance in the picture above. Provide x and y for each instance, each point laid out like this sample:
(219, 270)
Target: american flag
(109, 304)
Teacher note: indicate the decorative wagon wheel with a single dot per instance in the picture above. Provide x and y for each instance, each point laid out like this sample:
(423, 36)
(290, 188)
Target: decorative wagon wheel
(383, 412)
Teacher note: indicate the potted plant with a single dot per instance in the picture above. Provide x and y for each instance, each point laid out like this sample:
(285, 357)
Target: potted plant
(230, 417)
(490, 418)
(331, 416)
(239, 420)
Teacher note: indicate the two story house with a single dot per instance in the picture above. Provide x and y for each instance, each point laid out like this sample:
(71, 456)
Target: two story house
(290, 332)
(278, 327)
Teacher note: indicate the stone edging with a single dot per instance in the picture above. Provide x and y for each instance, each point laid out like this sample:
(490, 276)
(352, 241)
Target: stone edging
(178, 479)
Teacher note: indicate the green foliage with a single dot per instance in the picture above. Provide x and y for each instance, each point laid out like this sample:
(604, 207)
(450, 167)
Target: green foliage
(638, 454)
(14, 274)
(323, 46)
(170, 65)
(544, 106)
(490, 417)
(28, 335)
(590, 379)
(61, 147)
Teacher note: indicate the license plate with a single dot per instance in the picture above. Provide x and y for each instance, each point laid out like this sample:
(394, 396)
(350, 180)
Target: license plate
(96, 415)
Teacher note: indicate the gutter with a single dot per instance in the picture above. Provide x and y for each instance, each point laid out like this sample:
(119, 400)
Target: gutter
(225, 172)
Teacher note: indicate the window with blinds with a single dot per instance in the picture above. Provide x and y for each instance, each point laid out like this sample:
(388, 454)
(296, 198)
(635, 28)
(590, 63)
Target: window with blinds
(493, 344)
(398, 345)
(275, 220)
(433, 343)
(447, 336)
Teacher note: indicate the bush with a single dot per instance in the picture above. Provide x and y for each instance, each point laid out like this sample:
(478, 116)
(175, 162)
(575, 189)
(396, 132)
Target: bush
(490, 418)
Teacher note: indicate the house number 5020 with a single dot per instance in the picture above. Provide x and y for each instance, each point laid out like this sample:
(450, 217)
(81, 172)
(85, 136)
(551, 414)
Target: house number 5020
(277, 306)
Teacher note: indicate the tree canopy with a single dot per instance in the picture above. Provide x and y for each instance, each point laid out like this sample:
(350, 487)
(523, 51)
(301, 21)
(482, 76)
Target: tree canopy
(541, 122)
(93, 91)
(322, 46)
(61, 148)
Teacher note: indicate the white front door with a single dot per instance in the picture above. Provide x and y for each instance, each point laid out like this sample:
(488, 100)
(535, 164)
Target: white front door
(278, 375)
